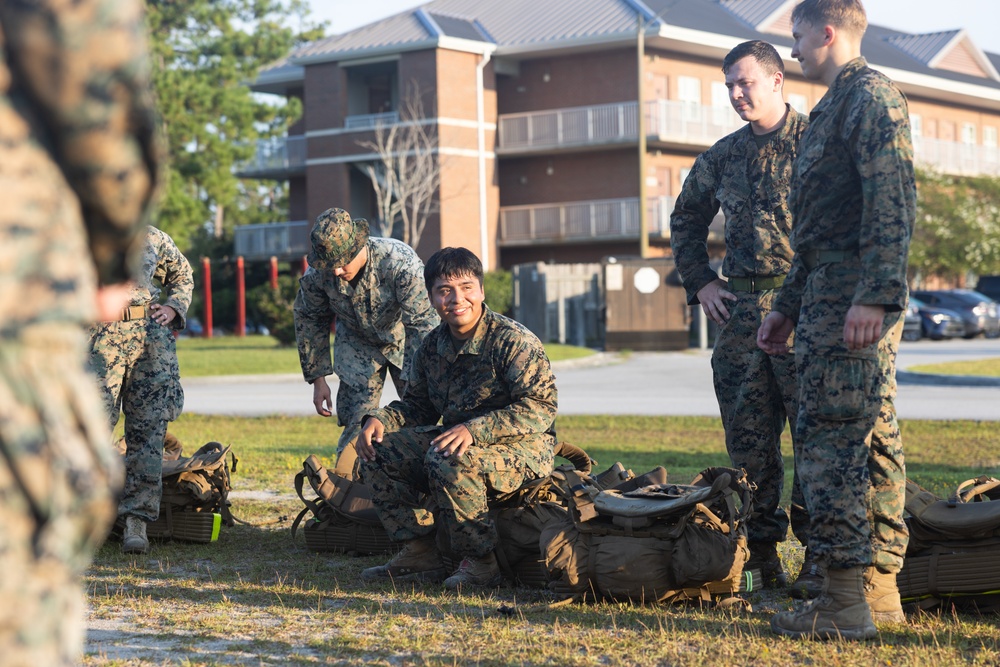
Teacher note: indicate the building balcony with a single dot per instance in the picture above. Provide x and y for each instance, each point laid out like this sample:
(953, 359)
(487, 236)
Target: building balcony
(284, 240)
(588, 221)
(370, 121)
(955, 158)
(278, 158)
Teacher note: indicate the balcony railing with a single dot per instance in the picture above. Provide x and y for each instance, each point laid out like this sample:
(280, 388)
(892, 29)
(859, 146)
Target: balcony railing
(955, 158)
(673, 121)
(370, 121)
(278, 157)
(285, 240)
(580, 126)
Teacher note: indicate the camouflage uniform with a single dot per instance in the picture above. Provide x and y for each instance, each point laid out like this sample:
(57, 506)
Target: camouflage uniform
(136, 366)
(756, 392)
(380, 323)
(77, 165)
(854, 200)
(500, 385)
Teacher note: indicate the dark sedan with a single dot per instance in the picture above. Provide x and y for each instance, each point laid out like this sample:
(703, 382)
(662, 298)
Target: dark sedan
(936, 323)
(978, 311)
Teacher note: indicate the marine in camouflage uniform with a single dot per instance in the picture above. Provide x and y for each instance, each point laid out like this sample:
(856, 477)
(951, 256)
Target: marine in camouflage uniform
(854, 199)
(77, 166)
(489, 382)
(747, 174)
(373, 288)
(135, 360)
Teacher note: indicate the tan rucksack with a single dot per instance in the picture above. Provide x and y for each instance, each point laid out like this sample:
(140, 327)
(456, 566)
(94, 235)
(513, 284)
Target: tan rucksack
(953, 554)
(655, 543)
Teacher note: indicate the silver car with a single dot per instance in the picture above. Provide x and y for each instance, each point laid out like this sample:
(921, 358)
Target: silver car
(979, 312)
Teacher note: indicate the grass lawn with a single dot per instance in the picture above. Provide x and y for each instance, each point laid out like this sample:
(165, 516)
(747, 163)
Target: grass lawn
(985, 367)
(252, 355)
(256, 597)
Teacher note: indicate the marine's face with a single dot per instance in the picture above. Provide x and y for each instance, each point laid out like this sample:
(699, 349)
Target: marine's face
(811, 49)
(352, 268)
(752, 92)
(459, 302)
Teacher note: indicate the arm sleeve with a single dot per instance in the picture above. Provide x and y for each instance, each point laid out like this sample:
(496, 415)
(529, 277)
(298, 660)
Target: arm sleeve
(83, 67)
(417, 314)
(415, 407)
(532, 410)
(694, 211)
(174, 271)
(313, 319)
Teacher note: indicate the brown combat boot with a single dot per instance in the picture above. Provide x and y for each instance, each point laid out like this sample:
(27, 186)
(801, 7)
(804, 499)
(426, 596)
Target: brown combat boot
(764, 558)
(841, 611)
(882, 595)
(134, 540)
(419, 560)
(481, 572)
(809, 583)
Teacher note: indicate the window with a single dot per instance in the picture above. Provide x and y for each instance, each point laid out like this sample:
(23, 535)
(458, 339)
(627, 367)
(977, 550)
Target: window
(689, 94)
(969, 134)
(721, 107)
(916, 125)
(990, 137)
(798, 102)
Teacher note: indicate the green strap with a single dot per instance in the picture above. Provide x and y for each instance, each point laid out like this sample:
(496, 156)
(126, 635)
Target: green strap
(756, 283)
(813, 258)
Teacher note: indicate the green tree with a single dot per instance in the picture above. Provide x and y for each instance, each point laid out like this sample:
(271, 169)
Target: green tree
(204, 54)
(958, 225)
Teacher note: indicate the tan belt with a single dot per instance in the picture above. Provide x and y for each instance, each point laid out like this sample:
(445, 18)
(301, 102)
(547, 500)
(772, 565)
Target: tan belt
(756, 283)
(813, 258)
(134, 313)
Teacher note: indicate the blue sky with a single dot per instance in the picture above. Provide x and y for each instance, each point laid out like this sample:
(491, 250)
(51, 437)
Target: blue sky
(980, 17)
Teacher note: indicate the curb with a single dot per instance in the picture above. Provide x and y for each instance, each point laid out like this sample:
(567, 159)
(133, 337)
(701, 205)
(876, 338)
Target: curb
(933, 379)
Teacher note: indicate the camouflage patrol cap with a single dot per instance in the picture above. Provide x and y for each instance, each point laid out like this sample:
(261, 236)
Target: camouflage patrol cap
(336, 239)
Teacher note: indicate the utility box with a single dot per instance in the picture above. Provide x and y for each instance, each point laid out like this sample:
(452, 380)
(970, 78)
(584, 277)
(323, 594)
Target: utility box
(560, 302)
(646, 307)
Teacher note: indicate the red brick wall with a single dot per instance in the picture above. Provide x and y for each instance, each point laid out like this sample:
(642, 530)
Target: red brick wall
(610, 174)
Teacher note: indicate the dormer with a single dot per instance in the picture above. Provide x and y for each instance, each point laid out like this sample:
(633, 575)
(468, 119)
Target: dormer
(953, 51)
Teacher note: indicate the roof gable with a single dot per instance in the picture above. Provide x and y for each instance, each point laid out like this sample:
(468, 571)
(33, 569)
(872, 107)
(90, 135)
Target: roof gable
(952, 50)
(770, 16)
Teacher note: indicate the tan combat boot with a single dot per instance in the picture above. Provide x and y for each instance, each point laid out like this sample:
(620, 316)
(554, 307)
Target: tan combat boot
(840, 611)
(882, 595)
(419, 560)
(134, 540)
(809, 583)
(481, 572)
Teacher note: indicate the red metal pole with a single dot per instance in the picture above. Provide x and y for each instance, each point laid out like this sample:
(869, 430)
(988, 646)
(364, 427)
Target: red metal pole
(241, 299)
(274, 272)
(206, 270)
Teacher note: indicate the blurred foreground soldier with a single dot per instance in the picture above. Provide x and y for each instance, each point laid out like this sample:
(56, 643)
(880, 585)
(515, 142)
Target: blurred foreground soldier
(374, 289)
(488, 380)
(135, 360)
(854, 200)
(747, 174)
(77, 166)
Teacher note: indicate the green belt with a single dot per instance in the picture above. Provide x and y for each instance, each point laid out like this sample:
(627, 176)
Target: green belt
(756, 283)
(813, 258)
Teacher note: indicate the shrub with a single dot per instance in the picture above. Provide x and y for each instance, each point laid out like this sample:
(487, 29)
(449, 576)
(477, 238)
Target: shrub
(499, 288)
(275, 308)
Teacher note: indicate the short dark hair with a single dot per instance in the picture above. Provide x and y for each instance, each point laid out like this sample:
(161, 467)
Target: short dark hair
(765, 55)
(450, 263)
(848, 15)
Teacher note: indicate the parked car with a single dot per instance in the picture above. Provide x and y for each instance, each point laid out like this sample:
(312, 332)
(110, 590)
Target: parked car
(989, 286)
(913, 328)
(937, 323)
(979, 312)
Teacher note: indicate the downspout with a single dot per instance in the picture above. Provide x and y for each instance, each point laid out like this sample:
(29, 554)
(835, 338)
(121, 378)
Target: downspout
(481, 126)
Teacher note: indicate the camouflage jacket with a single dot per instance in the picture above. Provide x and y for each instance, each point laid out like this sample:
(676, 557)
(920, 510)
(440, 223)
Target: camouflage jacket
(162, 262)
(77, 130)
(499, 384)
(380, 321)
(853, 188)
(751, 185)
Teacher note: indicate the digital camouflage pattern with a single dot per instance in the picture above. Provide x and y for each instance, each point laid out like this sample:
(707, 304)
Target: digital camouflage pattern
(380, 324)
(136, 367)
(77, 168)
(757, 393)
(853, 190)
(501, 387)
(336, 239)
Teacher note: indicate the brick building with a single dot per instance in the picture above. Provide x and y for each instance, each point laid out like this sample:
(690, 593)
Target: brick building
(535, 108)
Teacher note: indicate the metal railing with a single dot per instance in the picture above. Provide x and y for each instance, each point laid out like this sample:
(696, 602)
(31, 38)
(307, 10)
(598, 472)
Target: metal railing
(687, 123)
(604, 123)
(285, 240)
(602, 219)
(278, 155)
(370, 121)
(955, 158)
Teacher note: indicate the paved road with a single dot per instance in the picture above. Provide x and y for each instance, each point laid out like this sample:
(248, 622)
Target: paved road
(665, 383)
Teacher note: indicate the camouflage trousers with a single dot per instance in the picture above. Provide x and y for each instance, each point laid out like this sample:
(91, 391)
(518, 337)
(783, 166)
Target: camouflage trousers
(408, 477)
(58, 482)
(758, 394)
(849, 451)
(136, 367)
(353, 403)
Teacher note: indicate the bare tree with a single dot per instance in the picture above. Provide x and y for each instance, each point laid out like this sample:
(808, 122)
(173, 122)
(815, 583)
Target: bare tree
(407, 172)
